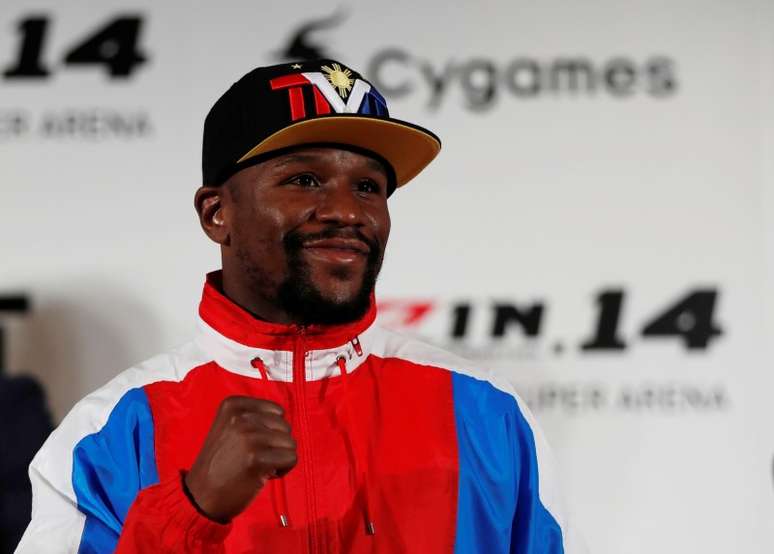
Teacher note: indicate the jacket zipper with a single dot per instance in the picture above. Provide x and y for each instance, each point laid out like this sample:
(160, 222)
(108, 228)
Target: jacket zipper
(356, 345)
(305, 454)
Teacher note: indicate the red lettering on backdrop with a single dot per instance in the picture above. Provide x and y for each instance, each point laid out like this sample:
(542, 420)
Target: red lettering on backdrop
(405, 313)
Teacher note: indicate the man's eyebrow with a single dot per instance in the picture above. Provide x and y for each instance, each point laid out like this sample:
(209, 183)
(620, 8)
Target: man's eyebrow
(376, 165)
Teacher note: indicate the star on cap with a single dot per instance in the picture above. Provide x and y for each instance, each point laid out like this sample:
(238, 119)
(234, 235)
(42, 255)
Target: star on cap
(296, 66)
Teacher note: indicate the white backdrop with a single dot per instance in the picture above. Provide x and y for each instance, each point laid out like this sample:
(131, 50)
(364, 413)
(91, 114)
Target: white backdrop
(603, 162)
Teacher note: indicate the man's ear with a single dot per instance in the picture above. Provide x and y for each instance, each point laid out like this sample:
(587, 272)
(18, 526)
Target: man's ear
(209, 203)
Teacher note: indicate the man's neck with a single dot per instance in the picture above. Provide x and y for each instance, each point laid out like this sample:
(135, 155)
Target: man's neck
(257, 306)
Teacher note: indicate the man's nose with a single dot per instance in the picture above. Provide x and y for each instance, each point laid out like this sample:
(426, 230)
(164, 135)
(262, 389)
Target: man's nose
(339, 204)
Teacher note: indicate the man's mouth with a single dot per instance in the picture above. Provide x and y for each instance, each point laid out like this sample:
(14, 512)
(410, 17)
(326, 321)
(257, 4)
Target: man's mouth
(337, 250)
(351, 245)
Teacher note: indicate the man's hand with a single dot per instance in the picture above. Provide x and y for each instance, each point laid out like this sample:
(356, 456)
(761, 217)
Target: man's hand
(248, 444)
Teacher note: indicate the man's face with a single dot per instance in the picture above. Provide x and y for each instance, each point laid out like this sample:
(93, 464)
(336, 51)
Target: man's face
(306, 233)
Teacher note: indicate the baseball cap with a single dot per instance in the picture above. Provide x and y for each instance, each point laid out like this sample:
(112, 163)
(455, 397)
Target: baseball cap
(323, 102)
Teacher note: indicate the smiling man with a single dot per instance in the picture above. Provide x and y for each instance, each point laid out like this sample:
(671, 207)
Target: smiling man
(293, 422)
(302, 234)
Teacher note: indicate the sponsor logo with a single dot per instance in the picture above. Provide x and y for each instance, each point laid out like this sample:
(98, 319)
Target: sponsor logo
(91, 124)
(333, 89)
(112, 48)
(577, 398)
(482, 81)
(497, 328)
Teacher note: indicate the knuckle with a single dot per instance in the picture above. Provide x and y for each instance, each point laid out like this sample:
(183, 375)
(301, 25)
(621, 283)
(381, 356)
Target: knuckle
(271, 407)
(229, 404)
(289, 461)
(228, 401)
(255, 458)
(276, 422)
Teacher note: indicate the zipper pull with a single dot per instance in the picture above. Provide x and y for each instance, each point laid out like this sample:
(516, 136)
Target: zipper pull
(356, 345)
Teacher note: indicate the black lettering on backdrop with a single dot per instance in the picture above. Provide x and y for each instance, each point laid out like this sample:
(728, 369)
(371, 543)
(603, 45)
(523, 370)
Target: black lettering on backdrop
(389, 56)
(13, 124)
(481, 78)
(573, 75)
(523, 77)
(504, 317)
(460, 321)
(479, 81)
(528, 319)
(518, 329)
(620, 77)
(690, 318)
(437, 81)
(95, 124)
(566, 397)
(661, 77)
(396, 72)
(28, 60)
(670, 397)
(606, 335)
(113, 45)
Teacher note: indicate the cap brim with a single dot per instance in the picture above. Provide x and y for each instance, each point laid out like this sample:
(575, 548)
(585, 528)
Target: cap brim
(407, 147)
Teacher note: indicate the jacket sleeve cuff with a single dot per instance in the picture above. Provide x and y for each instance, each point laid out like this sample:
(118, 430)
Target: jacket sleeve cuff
(183, 522)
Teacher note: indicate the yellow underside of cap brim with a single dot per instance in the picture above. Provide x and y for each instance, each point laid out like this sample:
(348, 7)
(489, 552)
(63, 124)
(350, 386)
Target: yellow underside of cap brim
(407, 148)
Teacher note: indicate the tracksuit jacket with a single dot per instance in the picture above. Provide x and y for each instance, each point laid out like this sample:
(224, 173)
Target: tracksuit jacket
(402, 447)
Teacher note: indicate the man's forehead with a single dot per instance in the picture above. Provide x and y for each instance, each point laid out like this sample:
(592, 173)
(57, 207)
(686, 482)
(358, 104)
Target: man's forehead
(317, 154)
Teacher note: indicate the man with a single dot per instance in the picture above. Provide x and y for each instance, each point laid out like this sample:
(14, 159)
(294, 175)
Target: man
(293, 423)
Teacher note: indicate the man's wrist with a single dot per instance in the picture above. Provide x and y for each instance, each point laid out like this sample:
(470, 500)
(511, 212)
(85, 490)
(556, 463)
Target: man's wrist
(194, 503)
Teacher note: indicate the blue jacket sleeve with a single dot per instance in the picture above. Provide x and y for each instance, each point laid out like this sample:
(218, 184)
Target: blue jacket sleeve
(507, 499)
(110, 467)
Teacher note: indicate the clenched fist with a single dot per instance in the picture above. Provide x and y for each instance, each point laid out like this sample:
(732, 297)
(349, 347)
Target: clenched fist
(248, 444)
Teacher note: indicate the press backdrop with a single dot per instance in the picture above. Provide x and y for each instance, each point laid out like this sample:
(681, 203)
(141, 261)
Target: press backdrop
(598, 226)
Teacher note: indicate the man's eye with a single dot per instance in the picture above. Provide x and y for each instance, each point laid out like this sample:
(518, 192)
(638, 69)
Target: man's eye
(367, 185)
(305, 180)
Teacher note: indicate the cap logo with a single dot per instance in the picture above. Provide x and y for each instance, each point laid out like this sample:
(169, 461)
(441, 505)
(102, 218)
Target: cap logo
(339, 78)
(334, 90)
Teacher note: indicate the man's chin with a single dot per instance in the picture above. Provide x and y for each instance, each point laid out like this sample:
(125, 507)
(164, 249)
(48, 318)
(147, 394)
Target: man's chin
(311, 305)
(333, 313)
(324, 293)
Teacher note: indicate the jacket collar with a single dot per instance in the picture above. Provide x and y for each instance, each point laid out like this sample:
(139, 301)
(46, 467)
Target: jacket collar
(234, 337)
